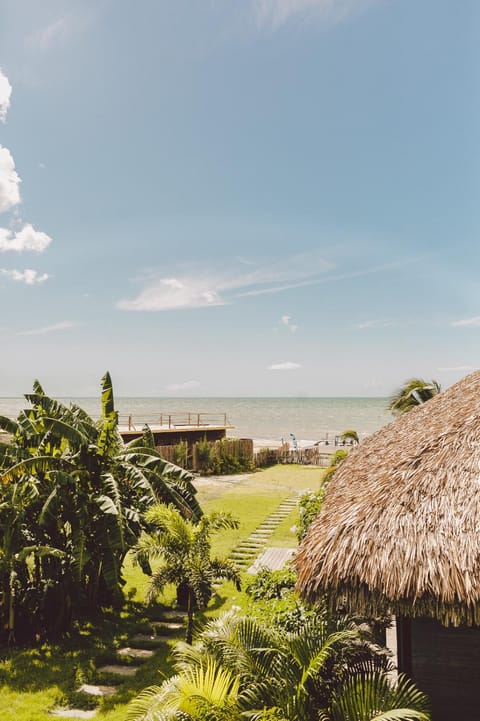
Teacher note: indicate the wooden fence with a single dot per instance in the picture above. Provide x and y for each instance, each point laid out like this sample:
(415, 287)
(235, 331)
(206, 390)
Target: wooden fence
(206, 456)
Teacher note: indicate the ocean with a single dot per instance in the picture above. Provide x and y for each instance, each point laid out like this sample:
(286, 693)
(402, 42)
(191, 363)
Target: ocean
(268, 420)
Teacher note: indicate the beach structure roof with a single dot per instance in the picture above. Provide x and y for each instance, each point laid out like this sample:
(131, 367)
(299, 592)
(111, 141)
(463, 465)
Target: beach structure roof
(399, 530)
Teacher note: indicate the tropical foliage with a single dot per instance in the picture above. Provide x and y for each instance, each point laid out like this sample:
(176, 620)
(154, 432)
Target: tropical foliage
(412, 393)
(243, 669)
(184, 549)
(72, 498)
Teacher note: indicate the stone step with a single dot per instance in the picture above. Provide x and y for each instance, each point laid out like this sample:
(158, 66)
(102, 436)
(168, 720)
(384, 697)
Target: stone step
(93, 690)
(168, 625)
(137, 653)
(118, 670)
(73, 713)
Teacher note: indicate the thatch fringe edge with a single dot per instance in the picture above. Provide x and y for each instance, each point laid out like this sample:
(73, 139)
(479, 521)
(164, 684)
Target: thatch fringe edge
(362, 601)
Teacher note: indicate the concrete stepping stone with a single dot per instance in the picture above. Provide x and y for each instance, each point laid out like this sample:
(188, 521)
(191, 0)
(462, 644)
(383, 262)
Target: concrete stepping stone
(273, 559)
(118, 670)
(93, 690)
(138, 653)
(73, 713)
(168, 625)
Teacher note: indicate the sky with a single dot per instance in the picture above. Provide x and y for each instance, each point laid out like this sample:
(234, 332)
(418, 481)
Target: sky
(224, 198)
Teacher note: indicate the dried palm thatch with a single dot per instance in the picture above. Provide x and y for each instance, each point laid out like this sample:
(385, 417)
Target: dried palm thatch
(400, 527)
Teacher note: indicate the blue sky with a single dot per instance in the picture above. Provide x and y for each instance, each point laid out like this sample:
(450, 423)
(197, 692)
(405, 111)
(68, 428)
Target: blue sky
(265, 197)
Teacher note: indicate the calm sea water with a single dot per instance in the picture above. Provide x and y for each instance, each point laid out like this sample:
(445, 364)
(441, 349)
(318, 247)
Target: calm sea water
(269, 419)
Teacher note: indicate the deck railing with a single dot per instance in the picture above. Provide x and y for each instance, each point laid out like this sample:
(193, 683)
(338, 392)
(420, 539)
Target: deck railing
(174, 420)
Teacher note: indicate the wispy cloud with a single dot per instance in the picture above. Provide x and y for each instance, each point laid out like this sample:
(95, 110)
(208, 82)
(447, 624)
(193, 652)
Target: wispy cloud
(331, 277)
(5, 93)
(465, 322)
(25, 239)
(63, 325)
(186, 386)
(285, 321)
(61, 29)
(28, 276)
(285, 366)
(199, 288)
(366, 324)
(275, 13)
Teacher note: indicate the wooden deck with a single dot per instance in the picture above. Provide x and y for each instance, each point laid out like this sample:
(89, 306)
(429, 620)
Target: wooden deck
(171, 428)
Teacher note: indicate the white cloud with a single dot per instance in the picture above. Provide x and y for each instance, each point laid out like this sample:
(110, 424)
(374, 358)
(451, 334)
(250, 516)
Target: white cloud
(9, 181)
(200, 288)
(286, 366)
(275, 13)
(63, 325)
(5, 93)
(285, 321)
(173, 293)
(363, 325)
(25, 239)
(28, 276)
(187, 385)
(465, 322)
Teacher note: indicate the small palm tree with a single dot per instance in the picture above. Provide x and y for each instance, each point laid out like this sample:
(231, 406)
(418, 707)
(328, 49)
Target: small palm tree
(412, 393)
(350, 435)
(281, 676)
(197, 692)
(184, 548)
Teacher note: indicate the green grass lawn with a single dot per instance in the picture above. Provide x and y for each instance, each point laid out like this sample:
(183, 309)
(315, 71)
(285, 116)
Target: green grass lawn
(33, 681)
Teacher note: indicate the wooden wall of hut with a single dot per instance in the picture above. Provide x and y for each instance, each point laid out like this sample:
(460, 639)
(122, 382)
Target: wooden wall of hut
(445, 663)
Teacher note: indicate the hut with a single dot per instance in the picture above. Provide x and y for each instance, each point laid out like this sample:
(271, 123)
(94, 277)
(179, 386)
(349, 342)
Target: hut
(399, 533)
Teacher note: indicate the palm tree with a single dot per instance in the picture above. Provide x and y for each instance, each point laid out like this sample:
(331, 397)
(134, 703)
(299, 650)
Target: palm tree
(301, 676)
(88, 495)
(412, 393)
(350, 435)
(185, 551)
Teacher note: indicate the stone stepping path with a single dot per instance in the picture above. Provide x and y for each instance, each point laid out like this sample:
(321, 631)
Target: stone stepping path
(136, 653)
(249, 550)
(143, 647)
(273, 559)
(92, 690)
(118, 669)
(73, 713)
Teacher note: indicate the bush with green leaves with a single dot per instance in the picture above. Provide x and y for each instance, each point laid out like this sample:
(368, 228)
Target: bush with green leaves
(72, 498)
(244, 668)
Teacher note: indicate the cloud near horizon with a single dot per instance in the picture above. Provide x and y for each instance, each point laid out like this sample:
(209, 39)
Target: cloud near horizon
(275, 13)
(187, 385)
(200, 288)
(466, 322)
(285, 321)
(285, 366)
(27, 276)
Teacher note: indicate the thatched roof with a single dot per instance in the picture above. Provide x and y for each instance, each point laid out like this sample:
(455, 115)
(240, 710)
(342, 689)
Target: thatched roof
(400, 527)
